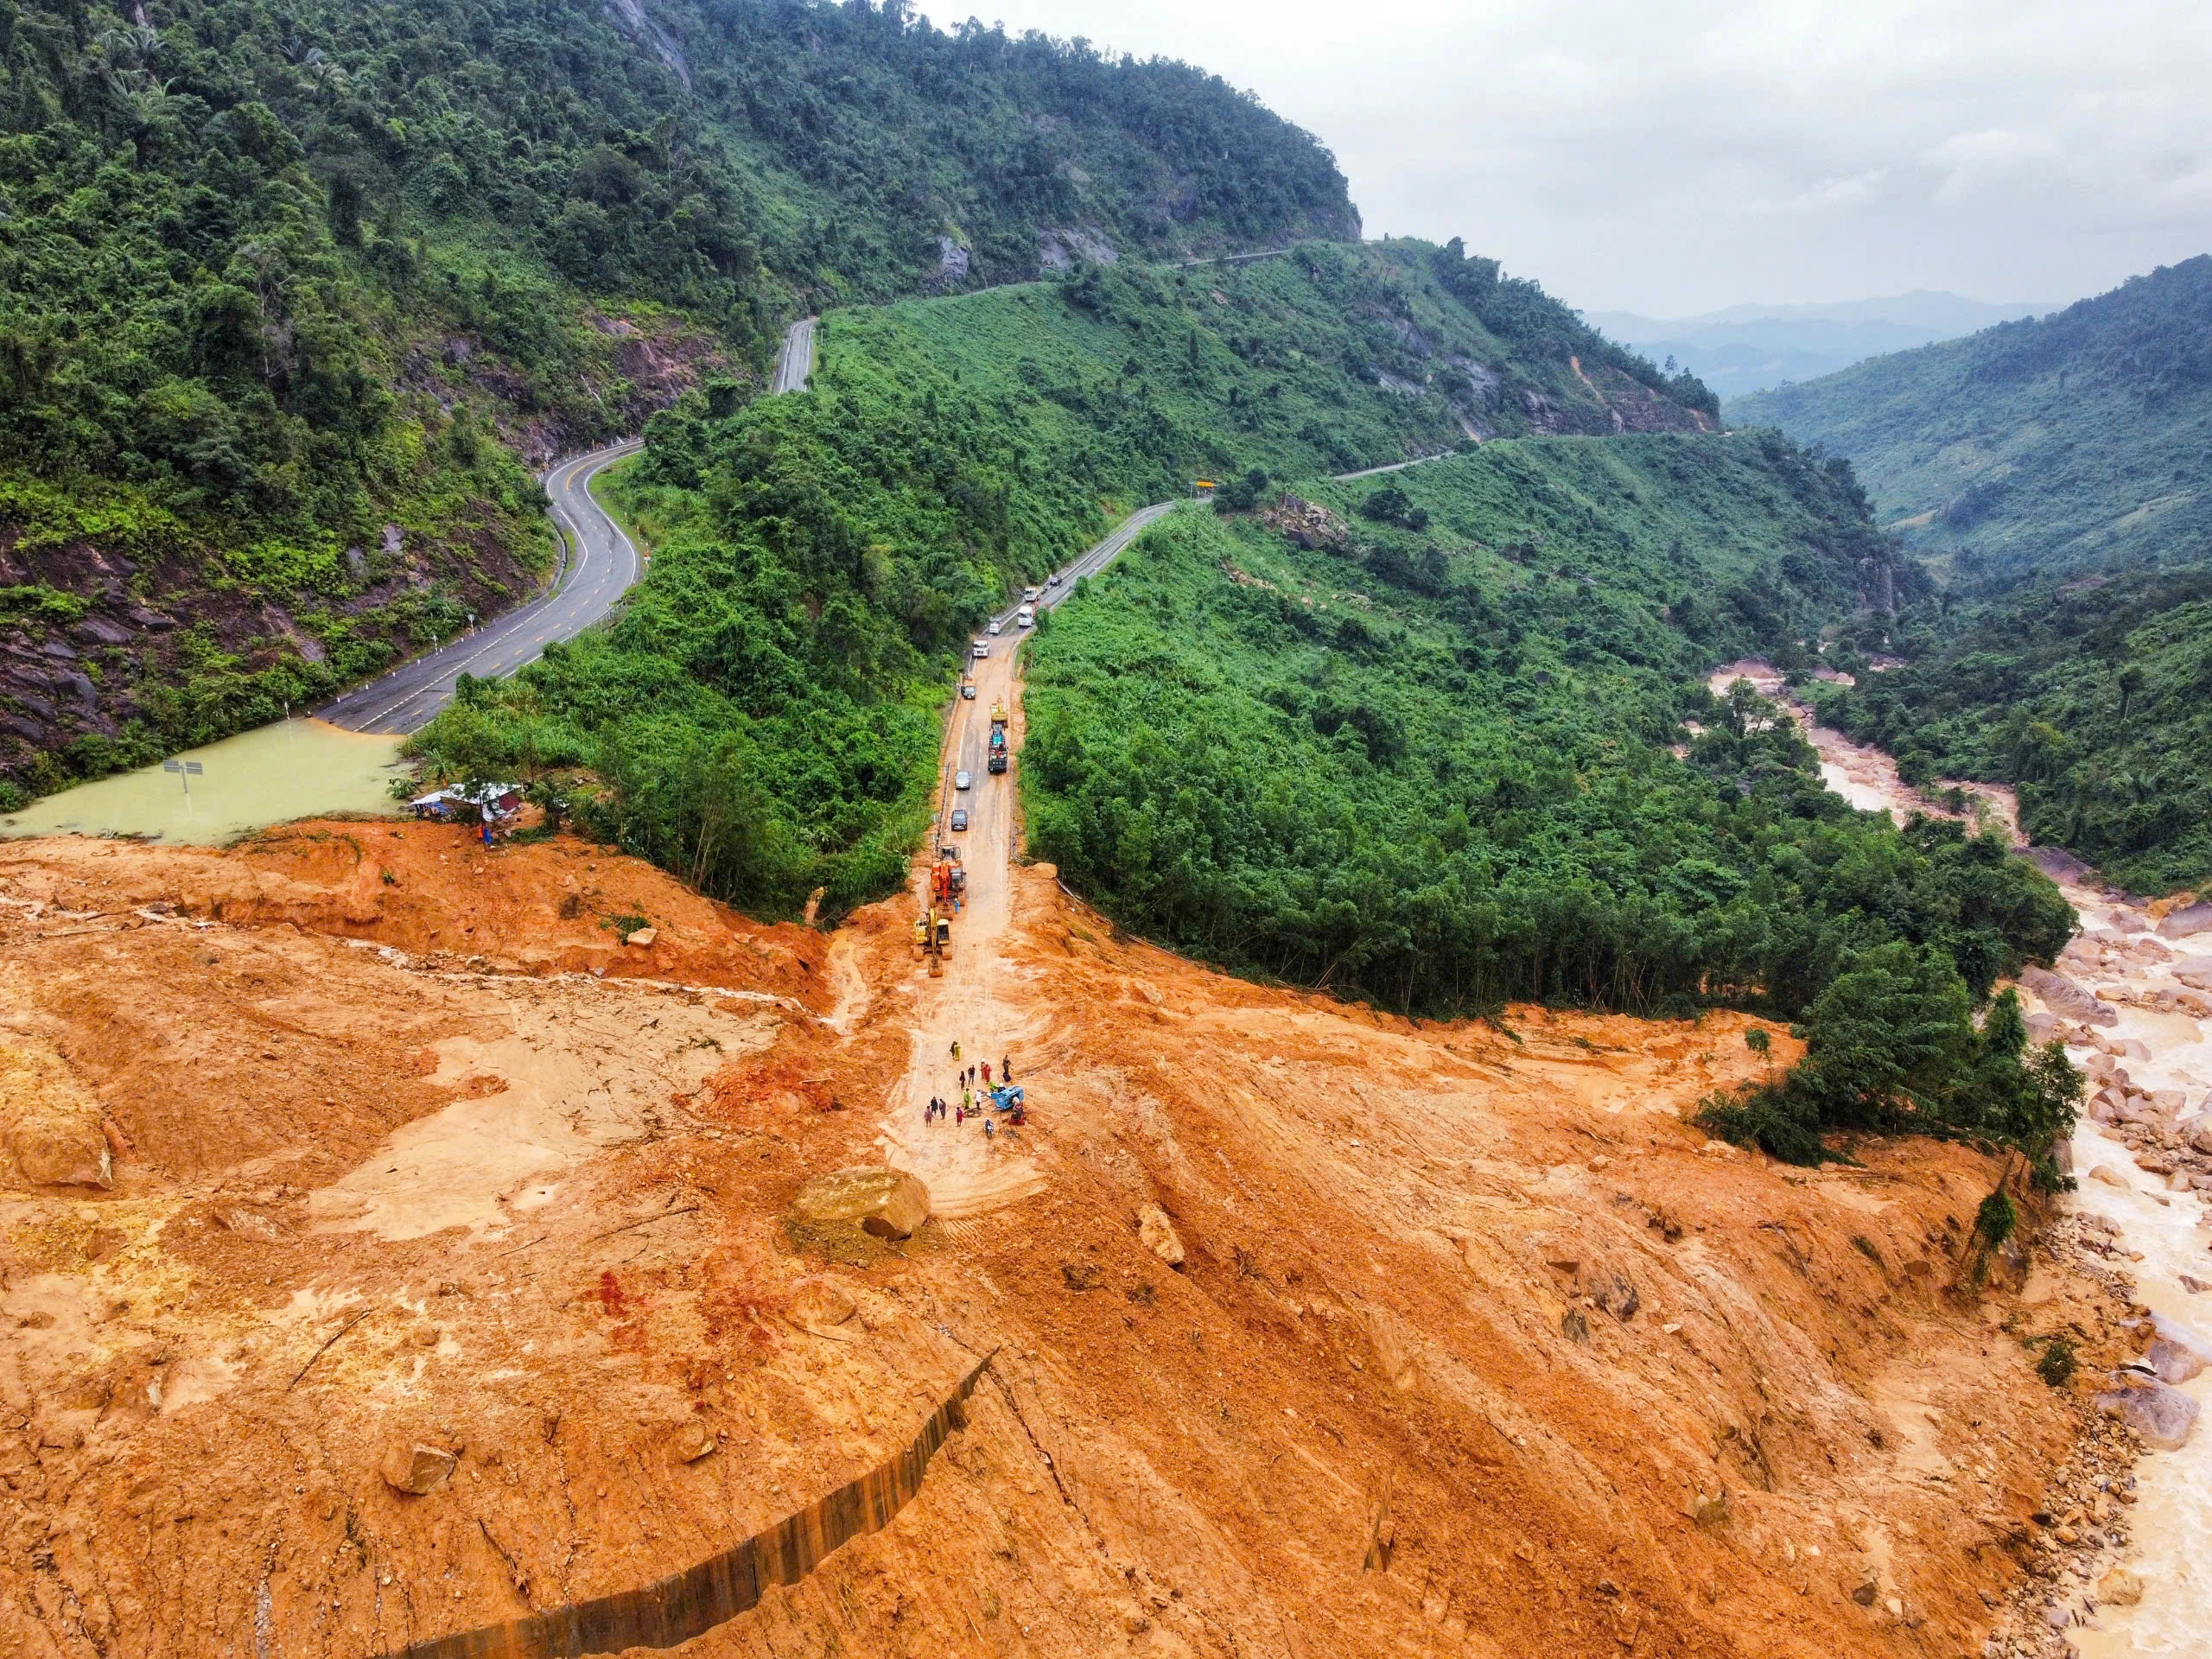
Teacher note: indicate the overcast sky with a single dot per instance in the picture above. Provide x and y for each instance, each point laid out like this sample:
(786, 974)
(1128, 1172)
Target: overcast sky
(1672, 156)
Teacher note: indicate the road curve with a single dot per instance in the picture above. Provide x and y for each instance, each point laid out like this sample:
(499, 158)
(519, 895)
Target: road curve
(601, 565)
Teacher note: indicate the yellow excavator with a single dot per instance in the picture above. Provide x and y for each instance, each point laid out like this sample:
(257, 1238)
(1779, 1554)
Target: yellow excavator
(933, 937)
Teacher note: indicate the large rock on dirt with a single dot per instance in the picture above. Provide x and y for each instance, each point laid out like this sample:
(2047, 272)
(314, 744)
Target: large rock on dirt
(2163, 1416)
(1157, 1234)
(2180, 923)
(2120, 1588)
(888, 1203)
(2061, 995)
(412, 1467)
(821, 1308)
(50, 1128)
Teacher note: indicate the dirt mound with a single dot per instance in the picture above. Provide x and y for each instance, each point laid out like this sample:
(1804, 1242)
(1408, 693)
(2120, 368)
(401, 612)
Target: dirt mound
(556, 906)
(1475, 1346)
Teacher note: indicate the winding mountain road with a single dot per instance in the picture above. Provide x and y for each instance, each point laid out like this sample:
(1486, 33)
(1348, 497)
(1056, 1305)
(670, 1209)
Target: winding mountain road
(603, 564)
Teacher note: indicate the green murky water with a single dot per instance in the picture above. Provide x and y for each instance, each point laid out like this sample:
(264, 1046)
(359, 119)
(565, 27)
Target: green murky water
(298, 769)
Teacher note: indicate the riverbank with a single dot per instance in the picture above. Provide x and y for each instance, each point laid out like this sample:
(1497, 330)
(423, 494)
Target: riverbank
(2132, 998)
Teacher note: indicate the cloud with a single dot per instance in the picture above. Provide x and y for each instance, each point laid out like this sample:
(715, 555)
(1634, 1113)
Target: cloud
(1678, 156)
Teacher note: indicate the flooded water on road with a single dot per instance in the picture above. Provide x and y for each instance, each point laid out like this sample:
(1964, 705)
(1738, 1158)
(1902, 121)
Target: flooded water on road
(296, 769)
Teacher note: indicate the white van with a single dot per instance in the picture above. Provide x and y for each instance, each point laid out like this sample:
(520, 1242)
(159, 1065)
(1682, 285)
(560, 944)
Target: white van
(1025, 616)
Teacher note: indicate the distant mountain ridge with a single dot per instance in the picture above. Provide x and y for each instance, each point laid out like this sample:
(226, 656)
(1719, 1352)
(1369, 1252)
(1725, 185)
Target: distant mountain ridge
(2069, 442)
(1745, 348)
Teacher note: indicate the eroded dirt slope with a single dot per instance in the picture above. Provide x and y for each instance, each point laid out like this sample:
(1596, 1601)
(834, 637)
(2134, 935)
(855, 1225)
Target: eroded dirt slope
(1476, 1347)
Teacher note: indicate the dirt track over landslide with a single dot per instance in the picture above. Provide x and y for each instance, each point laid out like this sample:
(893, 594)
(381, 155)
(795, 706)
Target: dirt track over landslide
(1477, 1348)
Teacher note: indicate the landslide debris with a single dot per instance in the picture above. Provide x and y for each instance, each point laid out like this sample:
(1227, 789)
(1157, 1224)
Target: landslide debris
(1474, 1347)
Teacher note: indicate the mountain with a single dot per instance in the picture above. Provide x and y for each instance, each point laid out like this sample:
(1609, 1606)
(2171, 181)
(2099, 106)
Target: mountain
(2058, 467)
(292, 299)
(821, 561)
(2071, 442)
(1746, 348)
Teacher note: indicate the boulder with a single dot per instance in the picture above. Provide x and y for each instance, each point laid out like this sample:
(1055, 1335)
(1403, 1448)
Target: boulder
(411, 1467)
(2173, 1362)
(2120, 1588)
(50, 1129)
(1157, 1234)
(2163, 1415)
(2061, 995)
(2180, 924)
(888, 1203)
(690, 1440)
(2109, 1176)
(820, 1306)
(2200, 1135)
(642, 936)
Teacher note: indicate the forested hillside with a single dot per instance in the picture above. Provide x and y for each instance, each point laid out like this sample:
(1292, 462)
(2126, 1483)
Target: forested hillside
(821, 559)
(1430, 767)
(2071, 444)
(2056, 473)
(284, 293)
(2092, 697)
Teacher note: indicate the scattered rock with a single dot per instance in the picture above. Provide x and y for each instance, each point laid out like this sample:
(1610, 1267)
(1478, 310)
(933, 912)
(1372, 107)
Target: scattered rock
(1157, 1233)
(888, 1203)
(50, 1125)
(1573, 1327)
(642, 937)
(2109, 1176)
(2120, 1588)
(690, 1440)
(409, 1466)
(2163, 1416)
(1080, 1275)
(2193, 1284)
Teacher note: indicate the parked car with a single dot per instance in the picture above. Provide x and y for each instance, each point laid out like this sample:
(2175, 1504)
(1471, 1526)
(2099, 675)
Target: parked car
(982, 649)
(968, 689)
(960, 817)
(961, 780)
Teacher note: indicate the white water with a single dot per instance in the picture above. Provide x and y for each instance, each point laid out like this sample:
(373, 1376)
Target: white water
(2171, 1546)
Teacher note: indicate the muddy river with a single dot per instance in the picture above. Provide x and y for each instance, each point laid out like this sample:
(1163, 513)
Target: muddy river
(2155, 1050)
(296, 769)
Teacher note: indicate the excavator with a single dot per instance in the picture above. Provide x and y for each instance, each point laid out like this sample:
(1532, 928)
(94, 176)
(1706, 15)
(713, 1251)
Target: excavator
(933, 937)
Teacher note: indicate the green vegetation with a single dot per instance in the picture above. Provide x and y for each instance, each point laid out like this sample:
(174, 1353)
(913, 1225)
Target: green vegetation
(273, 280)
(2092, 698)
(1432, 768)
(765, 712)
(2061, 446)
(2054, 471)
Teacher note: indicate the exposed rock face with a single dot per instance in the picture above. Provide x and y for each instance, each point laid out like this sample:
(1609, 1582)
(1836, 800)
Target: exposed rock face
(49, 1125)
(1159, 1236)
(1059, 248)
(888, 1203)
(1305, 524)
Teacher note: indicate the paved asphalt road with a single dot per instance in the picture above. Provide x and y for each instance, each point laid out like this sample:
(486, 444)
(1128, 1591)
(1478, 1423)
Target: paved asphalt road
(795, 363)
(603, 564)
(968, 741)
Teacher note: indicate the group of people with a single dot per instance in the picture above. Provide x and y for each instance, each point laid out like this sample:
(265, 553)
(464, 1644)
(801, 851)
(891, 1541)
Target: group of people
(971, 1092)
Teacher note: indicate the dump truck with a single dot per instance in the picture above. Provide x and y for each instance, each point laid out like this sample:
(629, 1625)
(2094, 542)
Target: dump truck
(997, 762)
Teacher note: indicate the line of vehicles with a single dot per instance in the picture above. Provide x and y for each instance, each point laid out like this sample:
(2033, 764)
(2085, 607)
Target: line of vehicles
(948, 879)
